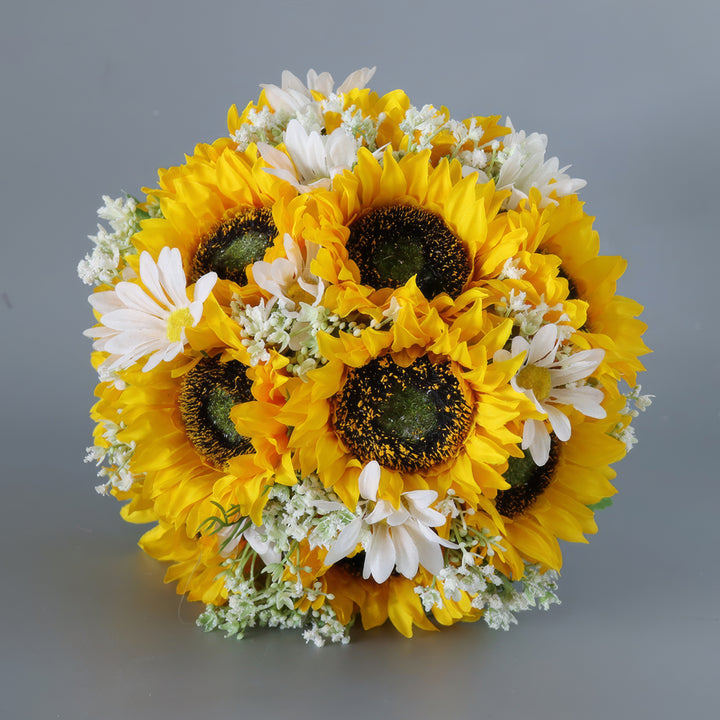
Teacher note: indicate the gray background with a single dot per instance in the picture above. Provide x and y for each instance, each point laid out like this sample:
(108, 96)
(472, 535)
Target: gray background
(97, 95)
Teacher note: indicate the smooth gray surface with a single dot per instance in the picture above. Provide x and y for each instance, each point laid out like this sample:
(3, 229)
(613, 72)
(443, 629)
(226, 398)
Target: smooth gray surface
(97, 95)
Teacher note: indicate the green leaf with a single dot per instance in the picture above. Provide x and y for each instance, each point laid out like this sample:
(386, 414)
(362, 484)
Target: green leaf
(604, 503)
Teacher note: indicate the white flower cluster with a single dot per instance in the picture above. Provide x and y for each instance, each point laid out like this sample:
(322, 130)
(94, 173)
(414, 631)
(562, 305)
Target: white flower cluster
(104, 263)
(269, 326)
(295, 117)
(309, 512)
(273, 604)
(422, 126)
(526, 317)
(636, 403)
(116, 458)
(518, 164)
(467, 570)
(306, 511)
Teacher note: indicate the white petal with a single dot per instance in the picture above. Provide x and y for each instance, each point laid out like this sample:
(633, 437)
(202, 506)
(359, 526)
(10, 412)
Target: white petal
(406, 553)
(172, 276)
(543, 345)
(264, 548)
(379, 555)
(356, 80)
(322, 83)
(519, 345)
(204, 286)
(345, 542)
(290, 81)
(577, 367)
(428, 547)
(369, 480)
(382, 510)
(560, 423)
(129, 320)
(151, 278)
(585, 399)
(132, 296)
(276, 159)
(105, 301)
(536, 439)
(398, 517)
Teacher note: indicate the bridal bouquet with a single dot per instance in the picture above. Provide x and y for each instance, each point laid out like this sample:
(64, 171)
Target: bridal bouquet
(360, 359)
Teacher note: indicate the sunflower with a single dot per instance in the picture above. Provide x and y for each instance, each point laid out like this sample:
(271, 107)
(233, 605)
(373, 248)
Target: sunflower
(396, 599)
(386, 222)
(550, 502)
(565, 231)
(221, 210)
(177, 421)
(421, 398)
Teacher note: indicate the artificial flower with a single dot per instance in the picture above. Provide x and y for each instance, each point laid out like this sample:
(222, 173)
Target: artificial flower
(549, 380)
(136, 321)
(360, 360)
(399, 539)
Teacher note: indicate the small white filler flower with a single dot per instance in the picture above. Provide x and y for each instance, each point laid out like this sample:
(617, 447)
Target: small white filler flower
(135, 322)
(548, 380)
(392, 538)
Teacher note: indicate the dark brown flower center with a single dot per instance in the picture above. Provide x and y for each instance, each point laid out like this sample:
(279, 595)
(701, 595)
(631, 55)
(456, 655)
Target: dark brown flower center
(209, 392)
(238, 241)
(527, 482)
(407, 418)
(394, 243)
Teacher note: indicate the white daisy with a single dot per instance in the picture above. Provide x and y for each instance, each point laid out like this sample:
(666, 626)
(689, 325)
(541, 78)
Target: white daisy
(522, 166)
(548, 381)
(310, 160)
(392, 538)
(135, 322)
(293, 96)
(289, 280)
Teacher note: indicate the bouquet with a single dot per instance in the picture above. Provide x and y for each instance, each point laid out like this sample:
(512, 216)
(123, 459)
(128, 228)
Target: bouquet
(358, 359)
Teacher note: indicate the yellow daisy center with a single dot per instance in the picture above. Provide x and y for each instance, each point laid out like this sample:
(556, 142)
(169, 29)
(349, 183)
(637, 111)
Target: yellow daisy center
(241, 238)
(536, 379)
(179, 319)
(298, 295)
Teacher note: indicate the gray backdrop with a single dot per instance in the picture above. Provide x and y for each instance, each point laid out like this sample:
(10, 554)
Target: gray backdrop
(97, 94)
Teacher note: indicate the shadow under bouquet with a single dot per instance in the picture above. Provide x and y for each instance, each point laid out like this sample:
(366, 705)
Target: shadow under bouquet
(360, 359)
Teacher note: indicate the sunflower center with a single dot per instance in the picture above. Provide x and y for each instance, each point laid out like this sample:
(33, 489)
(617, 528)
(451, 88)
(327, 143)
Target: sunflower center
(408, 414)
(394, 243)
(179, 319)
(238, 241)
(209, 392)
(536, 379)
(527, 482)
(407, 418)
(219, 404)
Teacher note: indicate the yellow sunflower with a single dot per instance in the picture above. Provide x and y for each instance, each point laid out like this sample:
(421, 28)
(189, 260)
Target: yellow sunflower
(386, 222)
(221, 210)
(343, 587)
(565, 231)
(551, 502)
(177, 420)
(421, 398)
